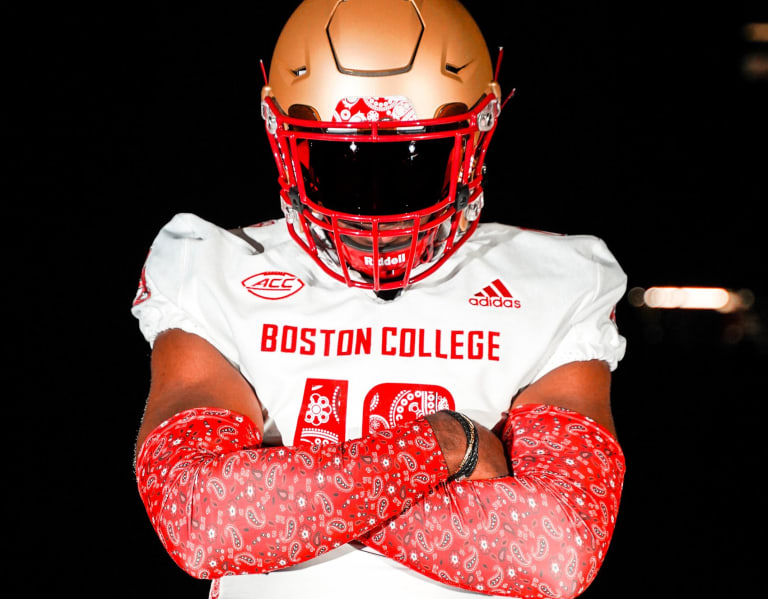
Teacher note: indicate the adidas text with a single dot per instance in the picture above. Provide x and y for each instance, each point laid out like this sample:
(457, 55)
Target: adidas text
(495, 302)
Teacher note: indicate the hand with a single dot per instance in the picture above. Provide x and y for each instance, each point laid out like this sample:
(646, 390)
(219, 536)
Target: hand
(492, 461)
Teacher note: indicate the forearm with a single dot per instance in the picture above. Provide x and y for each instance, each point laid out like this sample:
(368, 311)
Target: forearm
(222, 504)
(541, 532)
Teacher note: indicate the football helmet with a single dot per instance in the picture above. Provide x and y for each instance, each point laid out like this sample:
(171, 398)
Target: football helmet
(379, 114)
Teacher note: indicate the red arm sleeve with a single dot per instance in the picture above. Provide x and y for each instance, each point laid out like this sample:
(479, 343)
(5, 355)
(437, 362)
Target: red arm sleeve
(542, 532)
(221, 504)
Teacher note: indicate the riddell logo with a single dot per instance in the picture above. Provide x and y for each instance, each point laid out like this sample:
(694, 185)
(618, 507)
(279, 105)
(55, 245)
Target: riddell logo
(388, 261)
(273, 285)
(495, 295)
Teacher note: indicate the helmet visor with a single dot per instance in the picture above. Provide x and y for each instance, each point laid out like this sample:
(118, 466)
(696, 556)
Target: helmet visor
(377, 179)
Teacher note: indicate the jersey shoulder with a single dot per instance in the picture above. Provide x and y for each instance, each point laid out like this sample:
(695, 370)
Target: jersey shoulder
(535, 254)
(537, 239)
(188, 240)
(192, 259)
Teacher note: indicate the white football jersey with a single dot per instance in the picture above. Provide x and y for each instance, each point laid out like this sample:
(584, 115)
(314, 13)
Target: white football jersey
(329, 362)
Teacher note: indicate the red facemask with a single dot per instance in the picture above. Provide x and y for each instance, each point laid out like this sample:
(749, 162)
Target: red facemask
(380, 200)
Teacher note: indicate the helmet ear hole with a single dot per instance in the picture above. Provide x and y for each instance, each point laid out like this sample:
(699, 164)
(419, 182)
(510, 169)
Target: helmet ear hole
(303, 111)
(451, 109)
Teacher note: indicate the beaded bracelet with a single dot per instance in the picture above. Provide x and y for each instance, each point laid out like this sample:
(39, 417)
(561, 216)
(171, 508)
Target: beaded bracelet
(469, 462)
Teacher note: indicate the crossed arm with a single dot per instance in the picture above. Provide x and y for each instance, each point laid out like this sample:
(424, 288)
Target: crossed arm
(278, 506)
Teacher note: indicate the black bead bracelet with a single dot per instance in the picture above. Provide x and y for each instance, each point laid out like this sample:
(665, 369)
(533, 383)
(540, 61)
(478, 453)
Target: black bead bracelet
(469, 462)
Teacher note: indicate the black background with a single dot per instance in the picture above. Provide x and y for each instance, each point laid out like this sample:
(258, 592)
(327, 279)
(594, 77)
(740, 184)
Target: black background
(633, 122)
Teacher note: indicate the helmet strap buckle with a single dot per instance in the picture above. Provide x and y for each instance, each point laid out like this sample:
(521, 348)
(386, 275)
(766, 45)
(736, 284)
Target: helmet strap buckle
(486, 120)
(462, 197)
(293, 207)
(472, 211)
(269, 117)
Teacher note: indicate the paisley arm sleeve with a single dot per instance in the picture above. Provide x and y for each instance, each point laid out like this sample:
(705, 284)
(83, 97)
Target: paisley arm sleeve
(221, 504)
(542, 532)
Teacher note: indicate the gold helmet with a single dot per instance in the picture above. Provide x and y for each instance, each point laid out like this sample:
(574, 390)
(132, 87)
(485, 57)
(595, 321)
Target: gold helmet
(379, 113)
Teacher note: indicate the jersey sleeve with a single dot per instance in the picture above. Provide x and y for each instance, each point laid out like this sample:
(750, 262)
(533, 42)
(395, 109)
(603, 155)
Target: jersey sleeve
(174, 259)
(591, 333)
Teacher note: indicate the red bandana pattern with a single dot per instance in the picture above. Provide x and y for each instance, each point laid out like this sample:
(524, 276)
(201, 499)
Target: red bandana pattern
(222, 505)
(543, 532)
(370, 109)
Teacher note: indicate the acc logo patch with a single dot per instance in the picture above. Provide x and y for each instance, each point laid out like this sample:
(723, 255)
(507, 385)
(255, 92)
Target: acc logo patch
(273, 285)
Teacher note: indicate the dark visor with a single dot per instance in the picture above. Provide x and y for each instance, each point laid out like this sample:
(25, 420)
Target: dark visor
(377, 178)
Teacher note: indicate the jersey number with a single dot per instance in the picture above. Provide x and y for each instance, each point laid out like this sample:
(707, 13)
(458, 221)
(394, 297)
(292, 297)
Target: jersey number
(323, 415)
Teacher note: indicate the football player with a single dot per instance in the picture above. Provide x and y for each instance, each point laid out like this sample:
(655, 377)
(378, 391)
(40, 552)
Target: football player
(376, 394)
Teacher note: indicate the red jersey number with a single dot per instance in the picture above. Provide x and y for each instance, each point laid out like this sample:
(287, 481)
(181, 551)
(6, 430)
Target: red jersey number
(322, 418)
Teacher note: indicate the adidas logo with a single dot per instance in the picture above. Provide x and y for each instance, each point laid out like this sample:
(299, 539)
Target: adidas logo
(495, 295)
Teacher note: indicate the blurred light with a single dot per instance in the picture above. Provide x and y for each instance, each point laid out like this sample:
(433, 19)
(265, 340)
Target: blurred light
(635, 297)
(691, 298)
(756, 32)
(755, 65)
